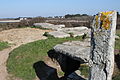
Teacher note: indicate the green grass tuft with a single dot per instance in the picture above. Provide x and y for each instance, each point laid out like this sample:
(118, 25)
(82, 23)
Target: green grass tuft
(84, 69)
(117, 44)
(3, 45)
(48, 35)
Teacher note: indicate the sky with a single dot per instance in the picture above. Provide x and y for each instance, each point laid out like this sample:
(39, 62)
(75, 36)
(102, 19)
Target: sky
(45, 8)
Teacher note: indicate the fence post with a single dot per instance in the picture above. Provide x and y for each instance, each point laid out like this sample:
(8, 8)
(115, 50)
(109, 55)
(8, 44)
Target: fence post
(102, 46)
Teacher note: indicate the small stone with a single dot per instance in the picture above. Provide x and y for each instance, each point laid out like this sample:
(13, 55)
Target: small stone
(49, 26)
(117, 37)
(58, 34)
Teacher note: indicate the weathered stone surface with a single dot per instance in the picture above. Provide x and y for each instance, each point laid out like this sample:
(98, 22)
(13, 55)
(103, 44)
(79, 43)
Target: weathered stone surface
(49, 26)
(102, 46)
(76, 49)
(67, 32)
(58, 34)
(76, 31)
(60, 26)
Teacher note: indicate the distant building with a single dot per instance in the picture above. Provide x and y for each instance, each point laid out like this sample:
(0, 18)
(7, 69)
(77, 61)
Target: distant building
(22, 18)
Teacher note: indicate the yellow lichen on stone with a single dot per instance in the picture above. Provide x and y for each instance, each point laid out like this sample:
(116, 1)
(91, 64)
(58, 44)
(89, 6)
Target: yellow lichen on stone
(107, 13)
(104, 18)
(106, 23)
(96, 20)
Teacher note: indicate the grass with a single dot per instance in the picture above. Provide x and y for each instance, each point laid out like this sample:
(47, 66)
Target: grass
(116, 78)
(3, 45)
(118, 32)
(60, 73)
(21, 59)
(117, 46)
(117, 42)
(84, 69)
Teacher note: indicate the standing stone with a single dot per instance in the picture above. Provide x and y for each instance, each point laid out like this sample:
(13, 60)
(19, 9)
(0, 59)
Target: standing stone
(102, 46)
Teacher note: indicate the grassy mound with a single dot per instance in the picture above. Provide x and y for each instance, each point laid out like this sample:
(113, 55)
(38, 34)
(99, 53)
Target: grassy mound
(21, 59)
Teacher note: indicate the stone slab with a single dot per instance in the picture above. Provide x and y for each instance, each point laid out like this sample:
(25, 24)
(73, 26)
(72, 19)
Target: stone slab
(76, 31)
(58, 34)
(76, 49)
(49, 26)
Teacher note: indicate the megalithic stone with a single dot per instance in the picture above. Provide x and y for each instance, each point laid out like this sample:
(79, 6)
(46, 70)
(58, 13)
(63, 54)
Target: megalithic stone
(102, 46)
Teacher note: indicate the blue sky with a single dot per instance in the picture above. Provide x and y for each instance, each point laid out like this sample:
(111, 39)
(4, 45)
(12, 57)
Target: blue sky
(32, 8)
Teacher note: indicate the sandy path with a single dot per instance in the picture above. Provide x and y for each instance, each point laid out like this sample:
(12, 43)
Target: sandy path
(3, 58)
(17, 37)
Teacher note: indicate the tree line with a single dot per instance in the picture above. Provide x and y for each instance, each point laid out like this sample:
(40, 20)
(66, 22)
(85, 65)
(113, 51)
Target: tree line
(75, 15)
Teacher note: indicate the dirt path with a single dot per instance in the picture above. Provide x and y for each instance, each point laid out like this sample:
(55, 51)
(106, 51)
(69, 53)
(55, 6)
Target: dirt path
(17, 37)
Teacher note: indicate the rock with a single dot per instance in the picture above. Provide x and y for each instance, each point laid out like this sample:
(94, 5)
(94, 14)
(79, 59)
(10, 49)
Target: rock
(67, 32)
(58, 34)
(102, 46)
(49, 26)
(75, 31)
(117, 37)
(60, 26)
(76, 49)
(43, 24)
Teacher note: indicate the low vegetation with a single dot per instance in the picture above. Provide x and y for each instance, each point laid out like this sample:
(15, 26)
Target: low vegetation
(116, 78)
(117, 46)
(84, 69)
(117, 43)
(118, 32)
(21, 24)
(21, 59)
(3, 45)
